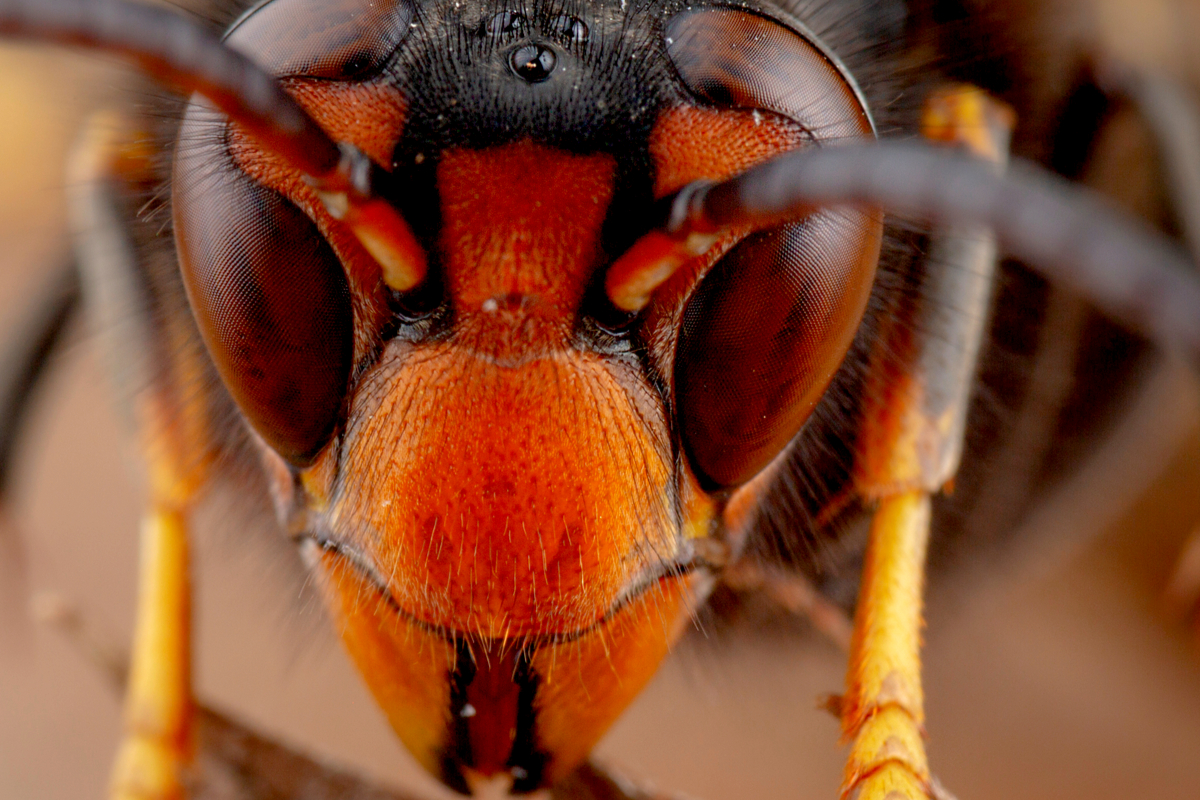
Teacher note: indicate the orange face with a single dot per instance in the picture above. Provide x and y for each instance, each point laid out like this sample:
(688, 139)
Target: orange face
(504, 528)
(504, 505)
(500, 535)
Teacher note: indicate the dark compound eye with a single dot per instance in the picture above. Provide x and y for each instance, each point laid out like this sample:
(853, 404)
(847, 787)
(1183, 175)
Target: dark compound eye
(768, 326)
(331, 39)
(268, 293)
(763, 335)
(506, 23)
(533, 62)
(570, 29)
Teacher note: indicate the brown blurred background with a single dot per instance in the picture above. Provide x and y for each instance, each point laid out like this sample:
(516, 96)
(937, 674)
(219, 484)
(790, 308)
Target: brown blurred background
(1065, 677)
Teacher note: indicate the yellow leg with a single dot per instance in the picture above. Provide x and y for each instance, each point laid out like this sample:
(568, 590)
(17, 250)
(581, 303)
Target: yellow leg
(883, 708)
(112, 162)
(158, 705)
(909, 448)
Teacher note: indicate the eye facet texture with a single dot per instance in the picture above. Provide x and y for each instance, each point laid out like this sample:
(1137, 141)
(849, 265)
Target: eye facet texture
(768, 326)
(268, 293)
(331, 39)
(739, 59)
(762, 336)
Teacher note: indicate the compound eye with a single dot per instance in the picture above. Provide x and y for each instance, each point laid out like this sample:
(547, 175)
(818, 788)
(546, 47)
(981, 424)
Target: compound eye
(739, 59)
(768, 326)
(331, 39)
(763, 335)
(268, 293)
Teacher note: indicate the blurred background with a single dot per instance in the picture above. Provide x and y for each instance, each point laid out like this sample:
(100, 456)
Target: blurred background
(1065, 674)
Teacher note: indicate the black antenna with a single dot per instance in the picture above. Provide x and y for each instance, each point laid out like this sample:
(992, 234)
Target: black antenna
(177, 51)
(1138, 277)
(180, 52)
